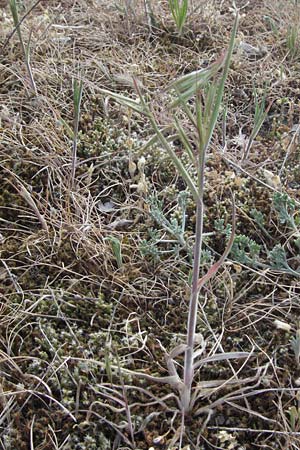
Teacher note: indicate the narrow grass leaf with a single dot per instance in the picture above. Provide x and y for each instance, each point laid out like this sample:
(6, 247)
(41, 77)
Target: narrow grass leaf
(116, 248)
(125, 101)
(260, 116)
(188, 85)
(77, 96)
(223, 357)
(220, 90)
(164, 142)
(184, 139)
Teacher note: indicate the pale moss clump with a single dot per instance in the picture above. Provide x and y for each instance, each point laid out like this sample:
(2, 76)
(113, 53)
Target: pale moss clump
(88, 442)
(97, 341)
(104, 138)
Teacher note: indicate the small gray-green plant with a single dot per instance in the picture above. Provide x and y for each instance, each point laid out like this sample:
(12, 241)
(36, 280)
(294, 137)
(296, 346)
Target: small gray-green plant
(219, 225)
(278, 260)
(285, 209)
(25, 48)
(260, 221)
(245, 250)
(173, 226)
(149, 247)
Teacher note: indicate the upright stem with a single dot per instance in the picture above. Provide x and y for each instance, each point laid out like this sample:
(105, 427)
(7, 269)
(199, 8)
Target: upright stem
(193, 309)
(193, 306)
(74, 153)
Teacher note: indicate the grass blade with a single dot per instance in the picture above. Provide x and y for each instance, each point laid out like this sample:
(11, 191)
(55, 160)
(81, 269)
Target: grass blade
(77, 96)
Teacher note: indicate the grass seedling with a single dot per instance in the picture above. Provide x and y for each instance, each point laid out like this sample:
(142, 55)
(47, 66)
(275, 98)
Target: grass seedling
(260, 115)
(294, 416)
(116, 248)
(25, 49)
(179, 10)
(292, 41)
(77, 96)
(295, 343)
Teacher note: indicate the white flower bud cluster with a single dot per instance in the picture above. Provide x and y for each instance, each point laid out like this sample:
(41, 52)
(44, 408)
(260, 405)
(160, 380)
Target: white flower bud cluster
(141, 186)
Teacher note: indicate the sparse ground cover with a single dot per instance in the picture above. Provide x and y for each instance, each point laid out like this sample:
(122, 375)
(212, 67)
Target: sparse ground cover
(96, 251)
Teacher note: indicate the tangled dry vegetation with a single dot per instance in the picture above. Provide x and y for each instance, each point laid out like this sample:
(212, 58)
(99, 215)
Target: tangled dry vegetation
(95, 273)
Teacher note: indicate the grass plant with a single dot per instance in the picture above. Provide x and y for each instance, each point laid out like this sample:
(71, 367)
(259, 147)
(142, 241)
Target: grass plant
(203, 119)
(292, 41)
(260, 115)
(179, 10)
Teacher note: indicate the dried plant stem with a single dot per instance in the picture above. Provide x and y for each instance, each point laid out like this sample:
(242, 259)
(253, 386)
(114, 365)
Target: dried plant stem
(25, 50)
(18, 25)
(25, 194)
